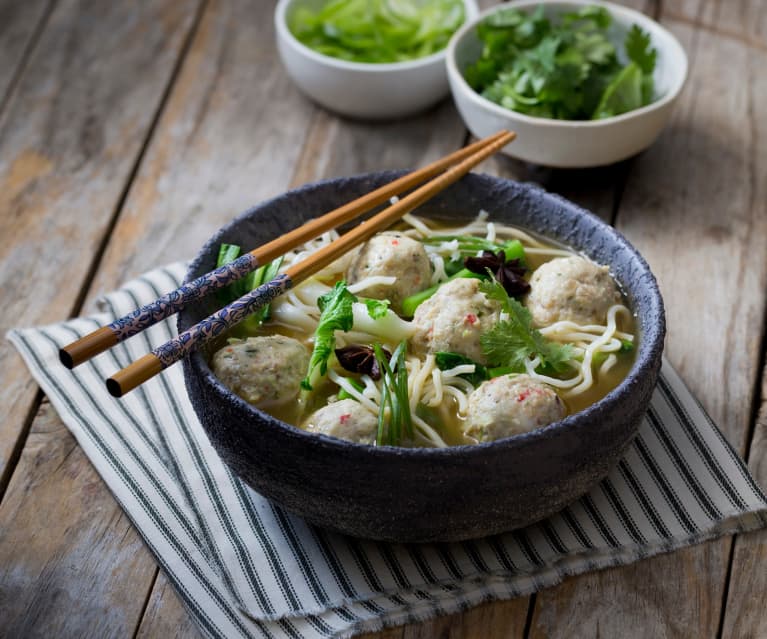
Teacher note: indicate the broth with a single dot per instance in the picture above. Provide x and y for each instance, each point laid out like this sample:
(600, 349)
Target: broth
(444, 417)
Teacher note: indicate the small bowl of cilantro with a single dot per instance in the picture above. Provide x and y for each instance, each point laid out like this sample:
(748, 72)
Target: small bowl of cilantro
(370, 59)
(582, 83)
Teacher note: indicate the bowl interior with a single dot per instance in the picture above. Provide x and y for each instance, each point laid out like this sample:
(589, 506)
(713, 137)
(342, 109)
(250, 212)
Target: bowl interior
(531, 208)
(670, 69)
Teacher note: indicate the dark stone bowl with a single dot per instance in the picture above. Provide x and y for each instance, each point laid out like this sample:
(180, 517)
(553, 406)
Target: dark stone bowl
(424, 495)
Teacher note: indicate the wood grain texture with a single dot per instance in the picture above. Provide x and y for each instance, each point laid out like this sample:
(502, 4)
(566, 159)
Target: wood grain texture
(68, 141)
(68, 554)
(20, 22)
(165, 616)
(692, 199)
(744, 20)
(496, 620)
(744, 614)
(229, 137)
(338, 147)
(216, 151)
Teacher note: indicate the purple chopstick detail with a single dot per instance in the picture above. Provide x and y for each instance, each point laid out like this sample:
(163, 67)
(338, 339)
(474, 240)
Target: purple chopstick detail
(174, 301)
(215, 324)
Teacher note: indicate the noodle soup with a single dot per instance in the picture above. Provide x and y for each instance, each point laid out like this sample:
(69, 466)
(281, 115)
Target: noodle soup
(435, 335)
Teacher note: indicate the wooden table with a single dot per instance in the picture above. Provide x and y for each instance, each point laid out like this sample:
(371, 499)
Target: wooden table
(130, 131)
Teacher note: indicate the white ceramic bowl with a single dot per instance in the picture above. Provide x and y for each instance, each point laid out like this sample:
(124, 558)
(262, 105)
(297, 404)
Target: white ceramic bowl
(362, 90)
(571, 143)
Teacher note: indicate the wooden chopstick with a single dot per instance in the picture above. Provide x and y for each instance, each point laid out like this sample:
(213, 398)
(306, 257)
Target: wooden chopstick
(169, 353)
(105, 337)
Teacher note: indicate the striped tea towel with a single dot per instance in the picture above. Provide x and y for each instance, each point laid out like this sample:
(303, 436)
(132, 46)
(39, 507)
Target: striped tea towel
(246, 568)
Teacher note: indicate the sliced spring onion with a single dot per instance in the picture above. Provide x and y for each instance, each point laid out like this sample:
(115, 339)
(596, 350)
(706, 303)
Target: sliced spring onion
(377, 31)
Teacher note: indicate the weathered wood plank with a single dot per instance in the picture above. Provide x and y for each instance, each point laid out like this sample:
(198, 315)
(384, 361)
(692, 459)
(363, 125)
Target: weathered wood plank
(68, 554)
(165, 616)
(744, 20)
(230, 136)
(495, 620)
(220, 96)
(744, 612)
(68, 141)
(20, 22)
(694, 207)
(345, 147)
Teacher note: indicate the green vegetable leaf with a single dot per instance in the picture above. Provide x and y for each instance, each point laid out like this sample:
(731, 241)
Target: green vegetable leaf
(262, 275)
(598, 15)
(562, 68)
(254, 279)
(638, 49)
(510, 342)
(377, 31)
(446, 360)
(470, 245)
(226, 254)
(623, 94)
(377, 308)
(337, 315)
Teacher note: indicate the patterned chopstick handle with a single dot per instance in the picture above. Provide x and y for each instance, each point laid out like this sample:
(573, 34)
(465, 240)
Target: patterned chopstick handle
(174, 301)
(215, 324)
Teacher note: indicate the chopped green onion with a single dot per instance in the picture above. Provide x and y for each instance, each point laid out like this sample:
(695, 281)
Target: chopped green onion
(377, 31)
(394, 396)
(412, 302)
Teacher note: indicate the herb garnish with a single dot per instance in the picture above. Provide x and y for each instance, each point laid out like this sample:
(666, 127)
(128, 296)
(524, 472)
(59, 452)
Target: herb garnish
(357, 358)
(337, 315)
(567, 70)
(394, 396)
(510, 342)
(510, 274)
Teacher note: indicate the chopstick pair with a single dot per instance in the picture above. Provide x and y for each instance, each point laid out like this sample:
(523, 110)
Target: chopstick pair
(146, 367)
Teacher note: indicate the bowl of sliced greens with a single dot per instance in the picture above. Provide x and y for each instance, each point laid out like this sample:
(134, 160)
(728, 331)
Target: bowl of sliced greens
(582, 83)
(369, 59)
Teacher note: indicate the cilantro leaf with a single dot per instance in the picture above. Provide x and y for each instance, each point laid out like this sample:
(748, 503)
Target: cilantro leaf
(377, 308)
(337, 315)
(638, 49)
(510, 342)
(566, 68)
(623, 94)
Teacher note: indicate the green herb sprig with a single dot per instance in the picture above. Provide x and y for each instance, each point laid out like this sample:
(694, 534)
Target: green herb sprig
(567, 70)
(510, 342)
(394, 397)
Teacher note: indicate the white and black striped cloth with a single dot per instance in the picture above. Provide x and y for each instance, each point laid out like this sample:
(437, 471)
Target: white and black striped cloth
(246, 568)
